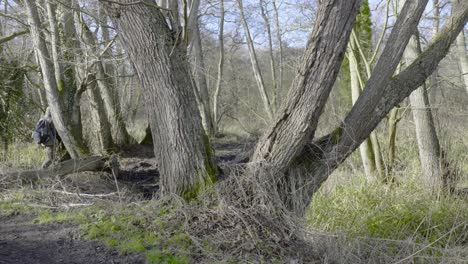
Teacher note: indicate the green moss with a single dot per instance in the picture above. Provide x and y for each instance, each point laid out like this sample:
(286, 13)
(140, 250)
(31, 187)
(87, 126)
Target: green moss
(60, 86)
(336, 136)
(207, 176)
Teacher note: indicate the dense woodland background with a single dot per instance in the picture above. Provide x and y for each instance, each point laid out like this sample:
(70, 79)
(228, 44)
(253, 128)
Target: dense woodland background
(246, 121)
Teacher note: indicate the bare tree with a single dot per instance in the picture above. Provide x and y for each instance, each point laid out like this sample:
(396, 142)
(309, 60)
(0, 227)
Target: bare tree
(70, 136)
(220, 65)
(254, 61)
(186, 160)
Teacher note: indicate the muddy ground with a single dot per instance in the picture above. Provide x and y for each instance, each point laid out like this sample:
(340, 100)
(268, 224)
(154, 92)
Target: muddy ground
(22, 241)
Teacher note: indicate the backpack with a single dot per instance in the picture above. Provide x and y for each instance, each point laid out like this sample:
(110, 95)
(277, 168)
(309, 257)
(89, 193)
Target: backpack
(44, 132)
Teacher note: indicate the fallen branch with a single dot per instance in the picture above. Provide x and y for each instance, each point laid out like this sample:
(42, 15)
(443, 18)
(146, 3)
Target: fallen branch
(94, 163)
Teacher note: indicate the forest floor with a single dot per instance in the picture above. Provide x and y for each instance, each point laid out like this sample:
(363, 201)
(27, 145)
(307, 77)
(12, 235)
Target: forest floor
(22, 241)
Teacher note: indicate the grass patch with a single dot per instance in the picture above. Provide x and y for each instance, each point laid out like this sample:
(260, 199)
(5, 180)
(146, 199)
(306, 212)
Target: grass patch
(137, 228)
(403, 212)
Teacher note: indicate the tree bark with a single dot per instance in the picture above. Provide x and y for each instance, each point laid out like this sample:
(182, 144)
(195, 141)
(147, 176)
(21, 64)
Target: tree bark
(376, 101)
(280, 50)
(255, 66)
(428, 142)
(270, 54)
(198, 65)
(365, 149)
(185, 156)
(112, 108)
(461, 49)
(297, 118)
(71, 139)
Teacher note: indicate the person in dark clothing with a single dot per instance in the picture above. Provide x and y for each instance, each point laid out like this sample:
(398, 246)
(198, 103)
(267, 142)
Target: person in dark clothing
(45, 135)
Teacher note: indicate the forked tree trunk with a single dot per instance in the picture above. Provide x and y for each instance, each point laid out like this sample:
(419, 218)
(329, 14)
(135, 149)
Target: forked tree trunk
(297, 171)
(297, 118)
(71, 139)
(183, 150)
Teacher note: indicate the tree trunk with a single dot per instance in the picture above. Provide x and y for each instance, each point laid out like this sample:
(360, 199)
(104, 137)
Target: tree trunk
(255, 65)
(297, 118)
(435, 30)
(112, 108)
(185, 156)
(461, 46)
(272, 57)
(71, 138)
(220, 66)
(365, 149)
(280, 51)
(199, 75)
(428, 142)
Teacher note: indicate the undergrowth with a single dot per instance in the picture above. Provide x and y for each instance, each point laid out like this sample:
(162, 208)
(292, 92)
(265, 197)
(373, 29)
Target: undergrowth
(395, 213)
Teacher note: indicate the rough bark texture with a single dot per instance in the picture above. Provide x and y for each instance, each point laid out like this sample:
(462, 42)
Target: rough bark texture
(255, 66)
(297, 118)
(376, 101)
(70, 138)
(428, 142)
(185, 156)
(461, 49)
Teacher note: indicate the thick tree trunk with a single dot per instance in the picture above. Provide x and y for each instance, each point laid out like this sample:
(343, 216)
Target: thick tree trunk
(71, 138)
(297, 118)
(220, 66)
(255, 66)
(185, 156)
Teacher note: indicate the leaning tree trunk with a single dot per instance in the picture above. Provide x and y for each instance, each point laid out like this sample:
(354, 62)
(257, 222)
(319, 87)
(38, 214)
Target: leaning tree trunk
(284, 169)
(185, 156)
(71, 139)
(297, 117)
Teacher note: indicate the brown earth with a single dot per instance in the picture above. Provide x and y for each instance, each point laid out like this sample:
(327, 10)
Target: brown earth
(23, 242)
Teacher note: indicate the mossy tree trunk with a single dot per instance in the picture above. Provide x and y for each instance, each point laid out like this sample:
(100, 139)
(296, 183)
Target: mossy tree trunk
(183, 149)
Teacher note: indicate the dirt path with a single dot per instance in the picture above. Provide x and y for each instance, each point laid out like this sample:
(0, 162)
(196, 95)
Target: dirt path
(23, 242)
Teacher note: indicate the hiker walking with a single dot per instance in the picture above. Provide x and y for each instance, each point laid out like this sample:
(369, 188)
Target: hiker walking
(45, 135)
